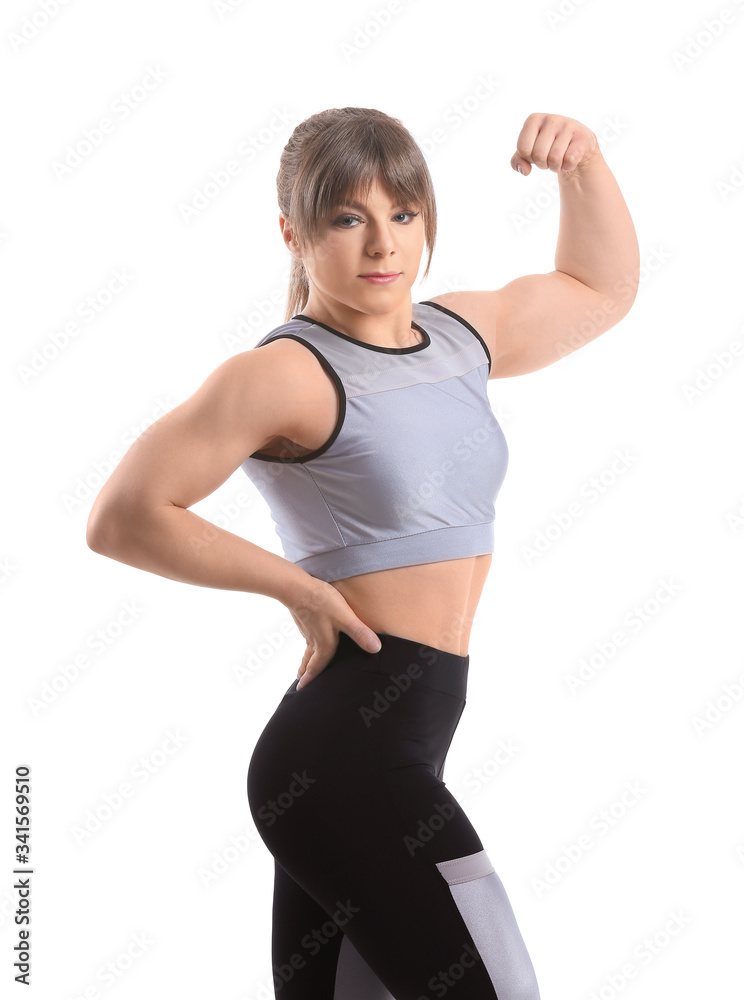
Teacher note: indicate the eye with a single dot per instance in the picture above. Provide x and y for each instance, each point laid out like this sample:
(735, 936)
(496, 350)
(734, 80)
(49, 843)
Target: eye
(342, 219)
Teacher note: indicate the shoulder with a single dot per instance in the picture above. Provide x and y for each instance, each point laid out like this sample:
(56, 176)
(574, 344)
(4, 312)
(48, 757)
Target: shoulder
(282, 367)
(481, 312)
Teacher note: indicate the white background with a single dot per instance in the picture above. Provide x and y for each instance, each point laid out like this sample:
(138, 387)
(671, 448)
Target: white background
(670, 130)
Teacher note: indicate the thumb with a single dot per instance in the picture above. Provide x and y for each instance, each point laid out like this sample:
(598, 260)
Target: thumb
(365, 637)
(520, 164)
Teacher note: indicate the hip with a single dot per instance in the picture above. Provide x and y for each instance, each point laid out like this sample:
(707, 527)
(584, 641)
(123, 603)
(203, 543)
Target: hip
(364, 713)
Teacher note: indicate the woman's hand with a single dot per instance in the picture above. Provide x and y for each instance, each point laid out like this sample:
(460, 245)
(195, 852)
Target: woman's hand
(555, 143)
(320, 613)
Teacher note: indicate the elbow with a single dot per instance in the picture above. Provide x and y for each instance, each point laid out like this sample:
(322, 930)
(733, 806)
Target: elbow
(94, 541)
(100, 531)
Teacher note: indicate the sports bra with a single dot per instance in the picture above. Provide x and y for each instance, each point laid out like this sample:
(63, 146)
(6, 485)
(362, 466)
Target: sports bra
(414, 464)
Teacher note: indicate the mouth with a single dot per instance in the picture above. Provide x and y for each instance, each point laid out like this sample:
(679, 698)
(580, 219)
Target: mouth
(380, 277)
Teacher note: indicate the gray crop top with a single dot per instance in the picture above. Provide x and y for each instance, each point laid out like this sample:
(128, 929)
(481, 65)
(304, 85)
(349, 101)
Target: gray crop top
(414, 464)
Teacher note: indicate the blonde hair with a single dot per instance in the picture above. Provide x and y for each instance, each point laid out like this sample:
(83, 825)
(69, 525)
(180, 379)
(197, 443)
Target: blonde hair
(336, 155)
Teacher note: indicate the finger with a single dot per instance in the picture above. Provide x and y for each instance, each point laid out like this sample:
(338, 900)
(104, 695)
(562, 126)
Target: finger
(556, 154)
(579, 150)
(551, 141)
(363, 636)
(305, 659)
(316, 658)
(314, 667)
(522, 158)
(572, 153)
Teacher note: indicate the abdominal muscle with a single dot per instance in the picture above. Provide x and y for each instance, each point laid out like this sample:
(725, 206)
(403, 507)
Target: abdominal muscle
(433, 603)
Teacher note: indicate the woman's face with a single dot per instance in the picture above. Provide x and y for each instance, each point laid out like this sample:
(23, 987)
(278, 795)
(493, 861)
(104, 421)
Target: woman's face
(362, 237)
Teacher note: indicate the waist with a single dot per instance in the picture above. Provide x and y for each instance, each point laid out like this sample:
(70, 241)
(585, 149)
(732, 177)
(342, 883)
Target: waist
(436, 668)
(433, 603)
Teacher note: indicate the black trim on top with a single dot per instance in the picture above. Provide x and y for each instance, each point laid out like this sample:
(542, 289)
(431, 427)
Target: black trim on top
(372, 347)
(454, 315)
(297, 459)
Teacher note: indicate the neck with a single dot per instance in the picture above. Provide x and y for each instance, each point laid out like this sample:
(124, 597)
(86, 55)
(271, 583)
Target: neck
(393, 329)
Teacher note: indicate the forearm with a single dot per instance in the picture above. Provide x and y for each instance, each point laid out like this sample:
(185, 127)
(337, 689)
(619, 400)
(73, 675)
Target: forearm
(597, 242)
(178, 544)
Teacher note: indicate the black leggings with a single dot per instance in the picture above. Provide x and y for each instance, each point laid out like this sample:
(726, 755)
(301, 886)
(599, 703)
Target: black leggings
(382, 886)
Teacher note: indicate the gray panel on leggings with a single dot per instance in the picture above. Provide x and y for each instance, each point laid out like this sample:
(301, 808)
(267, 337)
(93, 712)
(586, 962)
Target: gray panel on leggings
(354, 978)
(485, 908)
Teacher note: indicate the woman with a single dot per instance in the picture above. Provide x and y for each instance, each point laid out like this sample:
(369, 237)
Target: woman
(365, 422)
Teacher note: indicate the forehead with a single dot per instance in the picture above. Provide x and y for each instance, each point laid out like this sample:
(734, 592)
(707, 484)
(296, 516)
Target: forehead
(385, 198)
(377, 191)
(363, 207)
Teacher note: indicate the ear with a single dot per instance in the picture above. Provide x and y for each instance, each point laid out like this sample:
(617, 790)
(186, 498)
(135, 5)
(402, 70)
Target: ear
(288, 236)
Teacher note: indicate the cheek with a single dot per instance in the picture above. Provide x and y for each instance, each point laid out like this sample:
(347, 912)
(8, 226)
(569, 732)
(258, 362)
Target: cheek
(327, 253)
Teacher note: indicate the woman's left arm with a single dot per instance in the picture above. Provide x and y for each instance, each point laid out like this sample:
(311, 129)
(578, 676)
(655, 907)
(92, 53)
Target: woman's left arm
(597, 243)
(537, 319)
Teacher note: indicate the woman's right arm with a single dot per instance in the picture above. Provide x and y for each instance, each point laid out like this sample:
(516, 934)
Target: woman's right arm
(140, 516)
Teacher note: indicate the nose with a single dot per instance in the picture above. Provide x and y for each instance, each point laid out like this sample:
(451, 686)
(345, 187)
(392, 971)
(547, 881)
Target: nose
(380, 240)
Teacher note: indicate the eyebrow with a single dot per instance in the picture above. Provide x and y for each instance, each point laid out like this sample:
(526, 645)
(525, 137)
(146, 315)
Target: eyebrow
(361, 208)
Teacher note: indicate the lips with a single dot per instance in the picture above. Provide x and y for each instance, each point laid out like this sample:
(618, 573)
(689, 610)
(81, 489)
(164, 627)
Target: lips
(380, 277)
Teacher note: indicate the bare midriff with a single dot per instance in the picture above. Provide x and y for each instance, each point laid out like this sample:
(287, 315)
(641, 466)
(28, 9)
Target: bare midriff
(433, 603)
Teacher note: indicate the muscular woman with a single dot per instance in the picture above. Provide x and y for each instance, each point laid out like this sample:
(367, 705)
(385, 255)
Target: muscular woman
(365, 422)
